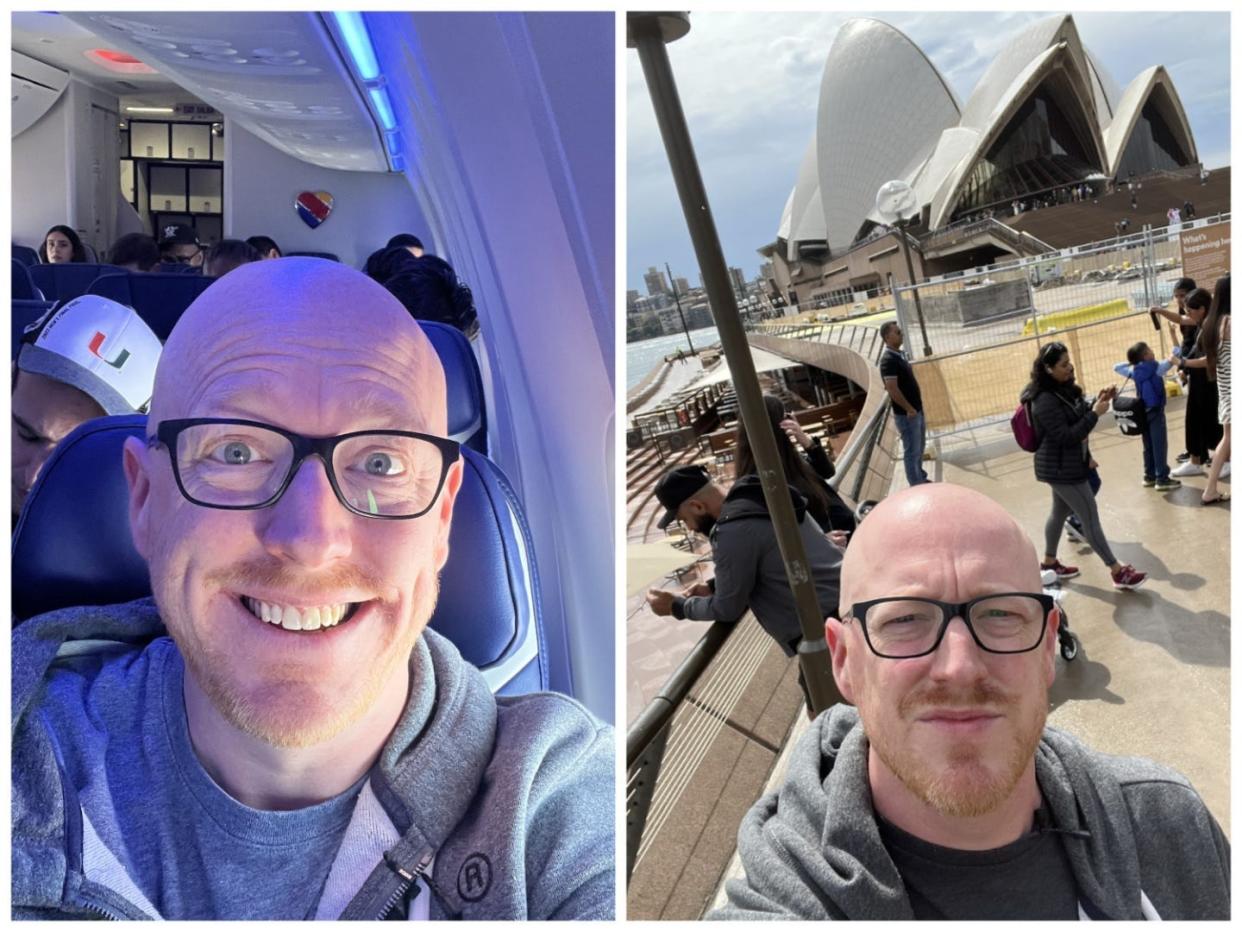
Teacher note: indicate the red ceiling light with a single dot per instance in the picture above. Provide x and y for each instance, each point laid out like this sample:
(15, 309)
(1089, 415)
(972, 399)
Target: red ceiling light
(118, 62)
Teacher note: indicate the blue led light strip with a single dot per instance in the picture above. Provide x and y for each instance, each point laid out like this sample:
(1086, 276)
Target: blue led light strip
(354, 34)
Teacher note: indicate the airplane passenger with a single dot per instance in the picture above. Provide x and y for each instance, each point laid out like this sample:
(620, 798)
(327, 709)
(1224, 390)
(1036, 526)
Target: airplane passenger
(407, 241)
(266, 245)
(227, 255)
(427, 286)
(179, 245)
(61, 244)
(750, 573)
(85, 359)
(302, 746)
(136, 252)
(943, 794)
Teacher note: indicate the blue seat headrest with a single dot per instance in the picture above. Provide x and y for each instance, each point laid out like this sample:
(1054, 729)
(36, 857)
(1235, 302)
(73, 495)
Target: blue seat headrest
(159, 298)
(72, 546)
(68, 280)
(23, 285)
(467, 423)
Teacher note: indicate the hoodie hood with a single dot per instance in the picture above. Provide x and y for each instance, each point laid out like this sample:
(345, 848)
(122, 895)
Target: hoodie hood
(745, 500)
(813, 850)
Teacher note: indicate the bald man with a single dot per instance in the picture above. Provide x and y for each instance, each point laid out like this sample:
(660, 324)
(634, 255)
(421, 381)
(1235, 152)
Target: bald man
(943, 795)
(275, 734)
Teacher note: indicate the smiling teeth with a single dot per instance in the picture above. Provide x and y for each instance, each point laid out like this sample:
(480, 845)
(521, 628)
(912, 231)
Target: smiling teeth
(293, 618)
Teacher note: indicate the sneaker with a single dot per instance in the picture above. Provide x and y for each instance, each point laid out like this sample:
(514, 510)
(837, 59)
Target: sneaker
(1168, 485)
(1128, 578)
(1073, 531)
(1183, 456)
(1062, 571)
(1188, 469)
(1148, 483)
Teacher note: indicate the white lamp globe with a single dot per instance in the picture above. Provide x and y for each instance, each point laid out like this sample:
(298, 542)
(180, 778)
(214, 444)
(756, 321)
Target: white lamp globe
(895, 201)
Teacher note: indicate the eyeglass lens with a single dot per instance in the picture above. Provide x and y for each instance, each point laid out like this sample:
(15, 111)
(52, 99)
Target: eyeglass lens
(239, 466)
(908, 627)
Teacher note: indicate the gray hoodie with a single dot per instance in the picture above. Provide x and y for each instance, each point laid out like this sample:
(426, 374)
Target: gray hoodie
(522, 785)
(750, 572)
(1140, 841)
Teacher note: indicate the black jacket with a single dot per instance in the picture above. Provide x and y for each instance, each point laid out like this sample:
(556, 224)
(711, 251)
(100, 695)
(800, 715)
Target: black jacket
(837, 516)
(1062, 425)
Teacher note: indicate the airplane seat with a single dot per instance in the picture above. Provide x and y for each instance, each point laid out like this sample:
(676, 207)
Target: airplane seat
(177, 268)
(91, 255)
(24, 314)
(26, 255)
(160, 299)
(467, 418)
(23, 285)
(68, 280)
(317, 255)
(72, 546)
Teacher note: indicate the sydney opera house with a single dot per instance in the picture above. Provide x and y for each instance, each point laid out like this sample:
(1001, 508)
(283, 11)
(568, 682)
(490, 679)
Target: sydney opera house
(1044, 118)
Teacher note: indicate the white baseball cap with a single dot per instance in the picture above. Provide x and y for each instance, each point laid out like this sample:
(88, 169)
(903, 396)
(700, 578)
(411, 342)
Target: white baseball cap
(97, 346)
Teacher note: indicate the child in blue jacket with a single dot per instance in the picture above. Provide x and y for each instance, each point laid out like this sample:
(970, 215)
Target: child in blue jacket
(1148, 375)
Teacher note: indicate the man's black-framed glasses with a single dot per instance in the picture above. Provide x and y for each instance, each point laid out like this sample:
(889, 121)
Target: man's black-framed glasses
(239, 465)
(1004, 623)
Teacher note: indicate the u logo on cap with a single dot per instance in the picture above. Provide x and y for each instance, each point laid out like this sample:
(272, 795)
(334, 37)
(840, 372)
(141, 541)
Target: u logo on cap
(97, 342)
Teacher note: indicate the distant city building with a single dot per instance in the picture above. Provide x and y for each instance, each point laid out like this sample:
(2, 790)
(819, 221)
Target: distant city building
(738, 278)
(631, 297)
(683, 286)
(655, 281)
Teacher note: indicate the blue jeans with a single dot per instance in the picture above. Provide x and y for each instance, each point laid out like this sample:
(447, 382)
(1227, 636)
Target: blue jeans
(910, 426)
(1156, 446)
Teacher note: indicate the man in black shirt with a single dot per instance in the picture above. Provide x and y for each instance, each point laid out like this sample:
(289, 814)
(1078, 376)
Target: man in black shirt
(942, 794)
(903, 389)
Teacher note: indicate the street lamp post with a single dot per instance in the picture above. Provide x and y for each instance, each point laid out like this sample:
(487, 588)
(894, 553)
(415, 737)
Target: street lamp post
(648, 33)
(897, 206)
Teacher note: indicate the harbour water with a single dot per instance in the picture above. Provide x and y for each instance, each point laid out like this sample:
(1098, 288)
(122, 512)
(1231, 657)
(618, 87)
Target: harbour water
(644, 355)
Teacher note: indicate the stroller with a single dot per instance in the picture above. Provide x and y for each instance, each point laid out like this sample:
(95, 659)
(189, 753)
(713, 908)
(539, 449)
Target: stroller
(1066, 638)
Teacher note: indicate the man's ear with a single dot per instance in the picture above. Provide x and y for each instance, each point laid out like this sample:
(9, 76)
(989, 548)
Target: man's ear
(834, 632)
(444, 511)
(1050, 647)
(136, 465)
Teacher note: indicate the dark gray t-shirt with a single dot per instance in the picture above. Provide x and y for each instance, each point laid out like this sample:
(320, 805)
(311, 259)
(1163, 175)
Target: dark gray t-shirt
(191, 850)
(1028, 879)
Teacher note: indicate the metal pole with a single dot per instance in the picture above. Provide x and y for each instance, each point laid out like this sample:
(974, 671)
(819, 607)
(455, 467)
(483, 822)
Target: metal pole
(918, 305)
(677, 299)
(647, 34)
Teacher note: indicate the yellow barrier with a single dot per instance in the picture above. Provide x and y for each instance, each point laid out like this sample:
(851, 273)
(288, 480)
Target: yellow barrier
(1062, 320)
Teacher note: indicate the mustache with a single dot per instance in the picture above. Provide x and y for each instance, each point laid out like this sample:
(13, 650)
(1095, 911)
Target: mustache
(264, 574)
(982, 695)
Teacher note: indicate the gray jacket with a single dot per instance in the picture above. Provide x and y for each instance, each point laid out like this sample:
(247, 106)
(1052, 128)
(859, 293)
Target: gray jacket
(1140, 841)
(522, 785)
(750, 572)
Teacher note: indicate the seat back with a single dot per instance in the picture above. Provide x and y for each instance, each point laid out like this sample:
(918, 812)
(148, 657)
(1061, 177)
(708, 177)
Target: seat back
(72, 546)
(23, 285)
(160, 299)
(65, 281)
(25, 255)
(24, 314)
(317, 255)
(467, 417)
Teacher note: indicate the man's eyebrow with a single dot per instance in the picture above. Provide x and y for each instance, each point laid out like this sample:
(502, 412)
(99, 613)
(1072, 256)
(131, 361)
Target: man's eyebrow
(382, 405)
(27, 428)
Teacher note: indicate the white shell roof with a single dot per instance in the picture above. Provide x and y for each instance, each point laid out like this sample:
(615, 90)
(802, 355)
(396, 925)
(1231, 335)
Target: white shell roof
(1136, 95)
(885, 112)
(882, 105)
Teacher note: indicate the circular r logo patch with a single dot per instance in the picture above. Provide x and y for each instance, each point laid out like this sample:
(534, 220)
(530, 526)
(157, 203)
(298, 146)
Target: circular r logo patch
(474, 878)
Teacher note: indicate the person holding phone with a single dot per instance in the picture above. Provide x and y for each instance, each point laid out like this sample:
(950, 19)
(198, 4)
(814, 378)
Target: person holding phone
(1063, 420)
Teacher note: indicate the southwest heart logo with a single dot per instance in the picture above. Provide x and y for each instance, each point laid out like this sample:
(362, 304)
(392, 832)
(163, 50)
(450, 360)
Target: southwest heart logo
(97, 342)
(313, 207)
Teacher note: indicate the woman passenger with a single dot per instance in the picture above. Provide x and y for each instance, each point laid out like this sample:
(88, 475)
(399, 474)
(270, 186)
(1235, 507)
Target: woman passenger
(61, 244)
(1062, 420)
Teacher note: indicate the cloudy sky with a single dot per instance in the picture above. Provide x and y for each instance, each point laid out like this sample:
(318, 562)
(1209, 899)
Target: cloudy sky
(749, 84)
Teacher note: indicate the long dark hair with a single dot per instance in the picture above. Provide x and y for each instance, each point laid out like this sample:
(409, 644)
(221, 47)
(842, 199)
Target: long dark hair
(798, 471)
(1041, 379)
(1212, 325)
(79, 251)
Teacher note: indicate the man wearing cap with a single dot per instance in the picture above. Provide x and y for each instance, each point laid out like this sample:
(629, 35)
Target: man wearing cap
(179, 245)
(85, 359)
(750, 573)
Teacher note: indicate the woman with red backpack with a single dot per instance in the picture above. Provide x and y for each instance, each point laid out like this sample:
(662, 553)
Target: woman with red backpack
(1062, 420)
